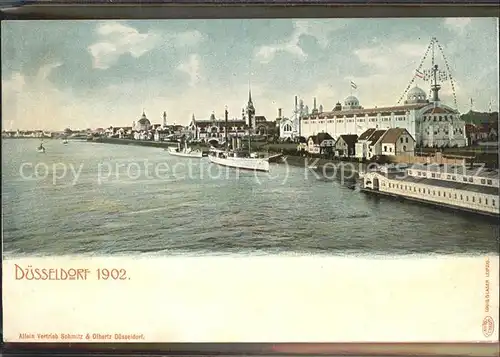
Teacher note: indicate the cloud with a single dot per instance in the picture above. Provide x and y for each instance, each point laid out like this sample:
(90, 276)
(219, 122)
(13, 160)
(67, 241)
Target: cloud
(320, 30)
(117, 39)
(192, 68)
(380, 56)
(34, 102)
(457, 24)
(187, 38)
(387, 58)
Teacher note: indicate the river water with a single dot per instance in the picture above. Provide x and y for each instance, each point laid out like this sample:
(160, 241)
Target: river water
(100, 199)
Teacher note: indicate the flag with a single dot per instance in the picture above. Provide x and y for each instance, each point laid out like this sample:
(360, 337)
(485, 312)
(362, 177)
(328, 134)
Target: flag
(353, 85)
(419, 74)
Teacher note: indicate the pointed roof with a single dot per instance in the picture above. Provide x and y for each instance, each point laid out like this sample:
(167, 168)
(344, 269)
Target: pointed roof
(349, 139)
(377, 134)
(392, 135)
(320, 137)
(366, 134)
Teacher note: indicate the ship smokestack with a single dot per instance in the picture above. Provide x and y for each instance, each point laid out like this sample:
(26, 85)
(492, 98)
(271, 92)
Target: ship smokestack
(225, 129)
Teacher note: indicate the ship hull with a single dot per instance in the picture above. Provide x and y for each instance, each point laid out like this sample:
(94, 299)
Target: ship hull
(196, 154)
(250, 164)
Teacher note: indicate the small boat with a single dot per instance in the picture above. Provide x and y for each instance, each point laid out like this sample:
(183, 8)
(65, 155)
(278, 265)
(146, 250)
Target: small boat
(275, 158)
(40, 149)
(65, 141)
(185, 152)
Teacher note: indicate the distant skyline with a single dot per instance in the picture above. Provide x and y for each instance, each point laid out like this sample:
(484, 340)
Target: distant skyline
(89, 74)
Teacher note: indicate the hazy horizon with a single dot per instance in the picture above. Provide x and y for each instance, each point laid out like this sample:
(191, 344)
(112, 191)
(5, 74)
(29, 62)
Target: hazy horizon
(89, 74)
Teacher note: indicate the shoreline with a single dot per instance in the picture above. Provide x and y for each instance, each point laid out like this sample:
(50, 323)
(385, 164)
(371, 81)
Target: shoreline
(149, 143)
(488, 217)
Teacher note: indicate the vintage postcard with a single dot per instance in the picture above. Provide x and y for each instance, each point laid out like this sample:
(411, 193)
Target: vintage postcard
(291, 180)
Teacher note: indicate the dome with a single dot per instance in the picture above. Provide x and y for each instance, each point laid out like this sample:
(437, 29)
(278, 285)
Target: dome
(351, 102)
(416, 95)
(144, 120)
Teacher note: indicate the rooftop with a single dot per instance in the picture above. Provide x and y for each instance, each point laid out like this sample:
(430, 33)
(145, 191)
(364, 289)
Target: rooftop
(392, 135)
(366, 134)
(447, 184)
(458, 170)
(398, 108)
(377, 134)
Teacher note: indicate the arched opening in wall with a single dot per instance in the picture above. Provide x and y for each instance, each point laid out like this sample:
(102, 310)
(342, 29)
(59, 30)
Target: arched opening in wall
(375, 183)
(287, 127)
(213, 142)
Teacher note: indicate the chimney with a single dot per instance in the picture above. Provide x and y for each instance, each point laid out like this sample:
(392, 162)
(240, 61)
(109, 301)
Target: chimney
(314, 103)
(225, 118)
(279, 113)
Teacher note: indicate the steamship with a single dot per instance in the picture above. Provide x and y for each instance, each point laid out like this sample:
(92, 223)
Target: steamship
(238, 159)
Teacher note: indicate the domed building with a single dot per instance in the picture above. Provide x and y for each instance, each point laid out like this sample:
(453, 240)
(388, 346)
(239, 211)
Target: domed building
(351, 102)
(416, 95)
(143, 124)
(429, 122)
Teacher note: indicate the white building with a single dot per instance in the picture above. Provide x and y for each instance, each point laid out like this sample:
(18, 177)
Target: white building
(365, 147)
(319, 144)
(429, 122)
(289, 128)
(387, 142)
(452, 186)
(345, 146)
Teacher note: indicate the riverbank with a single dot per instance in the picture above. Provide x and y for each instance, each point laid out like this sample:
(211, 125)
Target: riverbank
(327, 166)
(116, 141)
(491, 160)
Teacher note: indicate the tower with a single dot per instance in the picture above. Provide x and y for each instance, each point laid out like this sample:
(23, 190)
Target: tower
(164, 119)
(435, 87)
(315, 109)
(434, 73)
(250, 111)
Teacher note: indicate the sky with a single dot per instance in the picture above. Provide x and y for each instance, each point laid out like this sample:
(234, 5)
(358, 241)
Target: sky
(90, 74)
